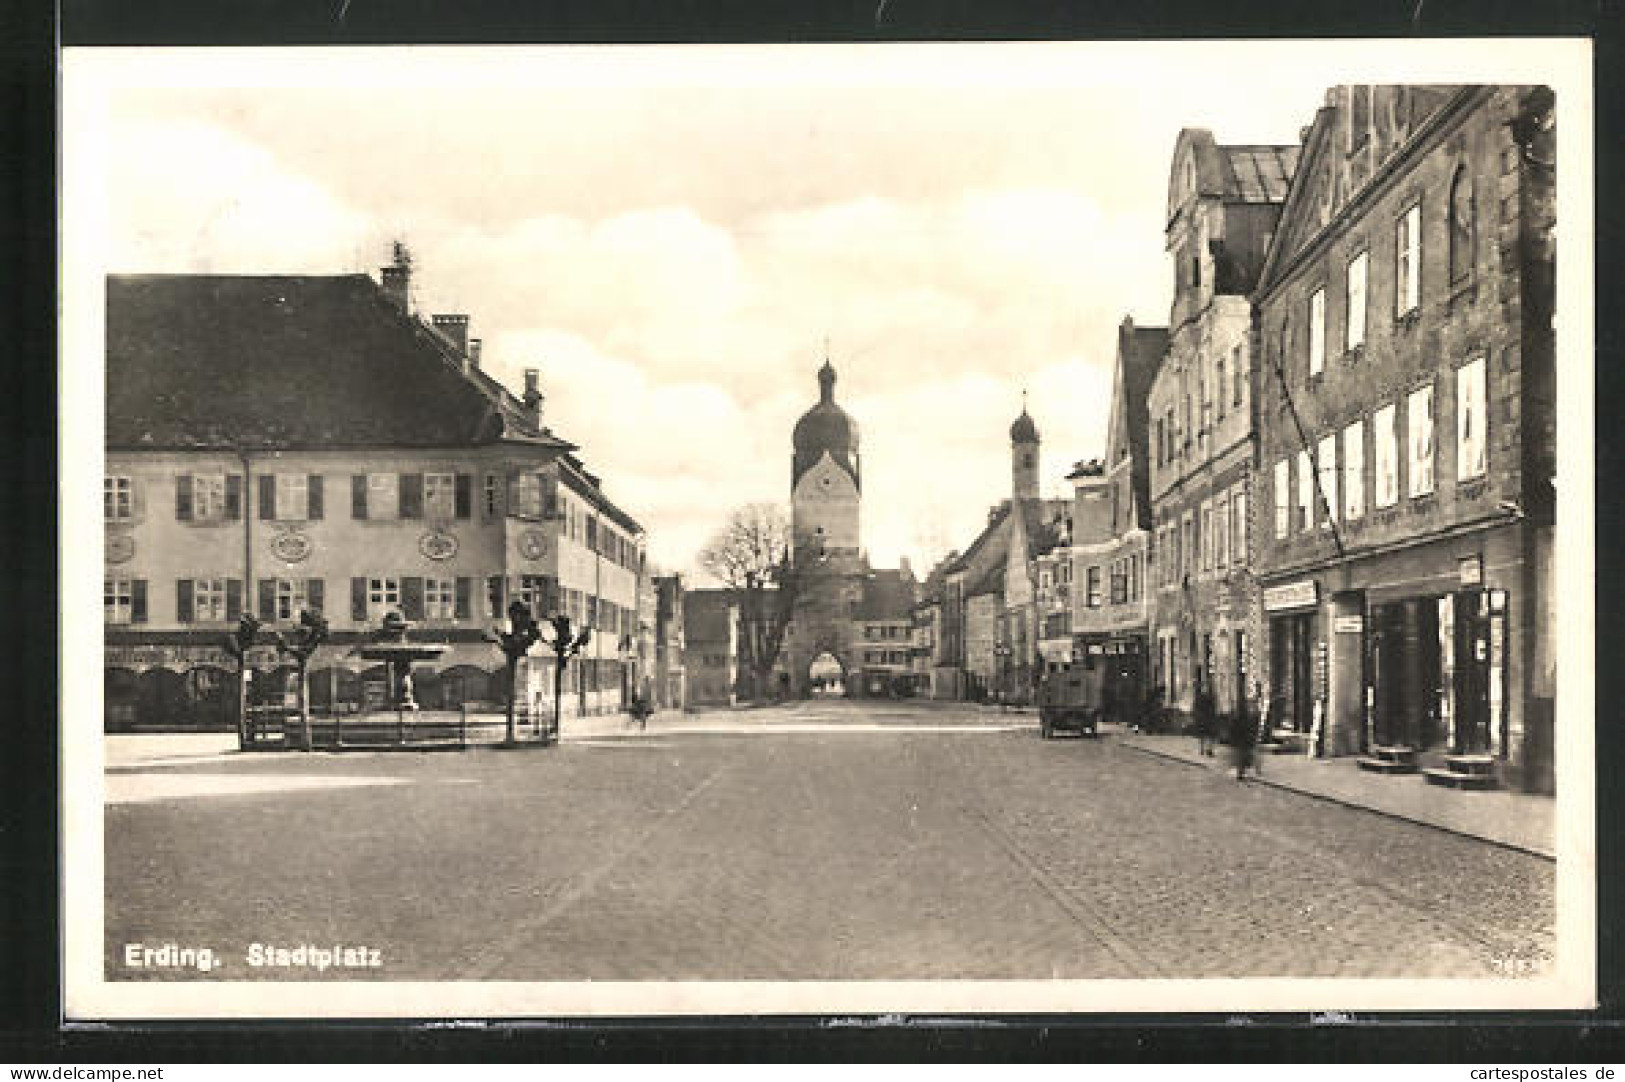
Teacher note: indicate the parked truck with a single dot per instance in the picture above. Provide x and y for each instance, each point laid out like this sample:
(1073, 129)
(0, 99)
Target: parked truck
(1071, 696)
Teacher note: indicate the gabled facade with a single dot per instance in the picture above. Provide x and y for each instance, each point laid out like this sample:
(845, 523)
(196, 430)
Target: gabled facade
(1224, 203)
(1406, 425)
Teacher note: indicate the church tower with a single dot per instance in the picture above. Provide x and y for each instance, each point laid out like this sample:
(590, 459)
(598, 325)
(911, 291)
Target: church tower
(826, 496)
(1024, 456)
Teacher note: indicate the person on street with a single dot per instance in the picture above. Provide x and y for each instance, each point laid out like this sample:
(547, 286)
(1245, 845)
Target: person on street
(1204, 712)
(1244, 741)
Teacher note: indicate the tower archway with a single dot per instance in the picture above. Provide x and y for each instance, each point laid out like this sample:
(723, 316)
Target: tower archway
(827, 676)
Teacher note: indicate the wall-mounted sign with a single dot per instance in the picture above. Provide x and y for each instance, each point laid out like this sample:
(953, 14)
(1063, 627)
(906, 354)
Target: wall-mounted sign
(438, 545)
(120, 548)
(291, 546)
(1470, 570)
(157, 655)
(1351, 624)
(1291, 595)
(533, 544)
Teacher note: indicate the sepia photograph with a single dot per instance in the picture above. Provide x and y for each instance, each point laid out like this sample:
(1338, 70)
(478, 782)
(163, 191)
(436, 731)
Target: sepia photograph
(799, 529)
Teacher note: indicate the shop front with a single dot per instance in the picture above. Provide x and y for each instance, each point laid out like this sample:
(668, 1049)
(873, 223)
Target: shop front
(1297, 657)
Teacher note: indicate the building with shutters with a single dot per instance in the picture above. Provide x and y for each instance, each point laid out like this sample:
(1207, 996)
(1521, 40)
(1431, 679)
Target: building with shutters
(278, 443)
(1407, 434)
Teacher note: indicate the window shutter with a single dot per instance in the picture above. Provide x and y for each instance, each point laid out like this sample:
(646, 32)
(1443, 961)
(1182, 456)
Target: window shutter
(494, 597)
(267, 497)
(465, 589)
(513, 493)
(138, 601)
(411, 495)
(183, 600)
(183, 497)
(550, 595)
(358, 595)
(268, 600)
(358, 495)
(234, 496)
(234, 599)
(463, 495)
(412, 597)
(313, 496)
(313, 595)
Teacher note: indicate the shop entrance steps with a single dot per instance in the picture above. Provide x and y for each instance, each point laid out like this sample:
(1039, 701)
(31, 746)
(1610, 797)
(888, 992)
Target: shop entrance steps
(1390, 759)
(1465, 772)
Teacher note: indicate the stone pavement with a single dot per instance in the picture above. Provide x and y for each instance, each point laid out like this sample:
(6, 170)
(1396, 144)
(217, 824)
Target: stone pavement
(1517, 820)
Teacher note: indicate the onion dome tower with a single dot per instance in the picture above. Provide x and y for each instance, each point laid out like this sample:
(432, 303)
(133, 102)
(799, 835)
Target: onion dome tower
(1024, 455)
(825, 478)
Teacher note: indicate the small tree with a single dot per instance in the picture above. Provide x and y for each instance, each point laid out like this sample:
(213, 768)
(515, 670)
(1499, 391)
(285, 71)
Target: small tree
(238, 644)
(515, 643)
(300, 644)
(566, 644)
(753, 555)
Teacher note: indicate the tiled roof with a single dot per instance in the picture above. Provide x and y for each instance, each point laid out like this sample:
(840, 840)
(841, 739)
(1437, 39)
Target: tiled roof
(226, 361)
(1142, 351)
(1258, 174)
(887, 595)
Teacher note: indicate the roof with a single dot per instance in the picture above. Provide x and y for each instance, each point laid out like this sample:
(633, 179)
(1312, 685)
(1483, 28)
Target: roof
(1140, 353)
(227, 361)
(991, 582)
(1258, 174)
(1041, 521)
(991, 530)
(825, 429)
(887, 595)
(1023, 430)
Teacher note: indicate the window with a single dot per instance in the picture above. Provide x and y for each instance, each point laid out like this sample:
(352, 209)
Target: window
(1419, 422)
(1187, 560)
(292, 496)
(209, 497)
(118, 503)
(1471, 421)
(1283, 498)
(383, 594)
(439, 495)
(440, 599)
(1408, 265)
(1326, 471)
(1238, 376)
(1092, 588)
(383, 495)
(1354, 471)
(1354, 328)
(1221, 533)
(1119, 581)
(1238, 524)
(530, 495)
(208, 599)
(493, 496)
(118, 600)
(290, 598)
(1461, 225)
(1306, 491)
(1317, 331)
(1207, 536)
(1385, 457)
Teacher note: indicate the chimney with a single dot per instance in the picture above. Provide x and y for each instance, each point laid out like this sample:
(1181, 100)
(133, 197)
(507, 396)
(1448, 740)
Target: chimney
(533, 395)
(454, 328)
(396, 281)
(903, 568)
(474, 352)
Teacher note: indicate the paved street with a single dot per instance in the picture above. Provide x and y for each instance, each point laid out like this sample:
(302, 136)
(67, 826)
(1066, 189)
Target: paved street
(820, 841)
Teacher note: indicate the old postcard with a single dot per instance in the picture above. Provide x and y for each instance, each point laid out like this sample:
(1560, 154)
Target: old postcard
(907, 529)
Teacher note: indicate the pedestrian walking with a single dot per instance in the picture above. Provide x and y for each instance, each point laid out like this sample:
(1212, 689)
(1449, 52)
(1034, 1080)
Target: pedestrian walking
(1204, 711)
(1244, 741)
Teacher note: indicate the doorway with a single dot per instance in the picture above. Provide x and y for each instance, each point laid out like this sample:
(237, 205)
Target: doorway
(1292, 686)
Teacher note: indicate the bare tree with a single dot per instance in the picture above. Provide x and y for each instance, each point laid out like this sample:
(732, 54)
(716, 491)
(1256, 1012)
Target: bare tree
(752, 556)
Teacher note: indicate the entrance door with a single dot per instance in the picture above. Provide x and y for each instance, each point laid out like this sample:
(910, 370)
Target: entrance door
(1405, 674)
(1292, 698)
(1472, 677)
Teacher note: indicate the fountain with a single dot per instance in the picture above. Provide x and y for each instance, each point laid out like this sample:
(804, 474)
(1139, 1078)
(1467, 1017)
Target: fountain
(389, 645)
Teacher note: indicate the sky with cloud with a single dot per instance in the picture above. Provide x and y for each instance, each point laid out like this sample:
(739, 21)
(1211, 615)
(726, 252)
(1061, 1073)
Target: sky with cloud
(670, 235)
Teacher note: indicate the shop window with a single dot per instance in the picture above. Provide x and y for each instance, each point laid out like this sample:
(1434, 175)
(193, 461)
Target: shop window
(1385, 456)
(1354, 327)
(1472, 446)
(1419, 425)
(1317, 331)
(1408, 261)
(1354, 471)
(118, 498)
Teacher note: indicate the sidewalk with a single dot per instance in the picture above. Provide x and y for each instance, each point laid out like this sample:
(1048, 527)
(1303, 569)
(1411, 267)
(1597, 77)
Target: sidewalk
(1517, 820)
